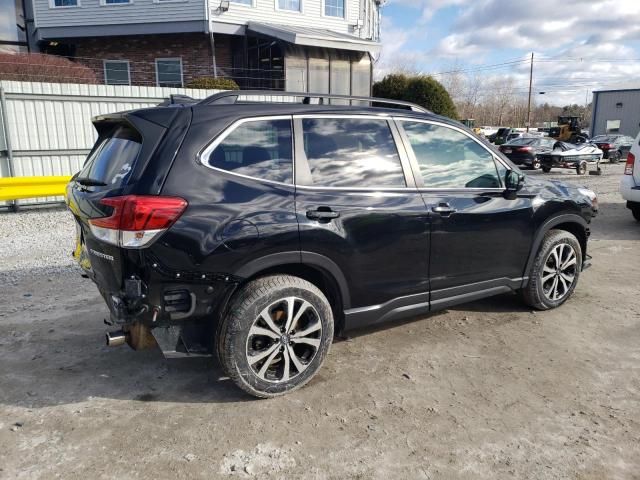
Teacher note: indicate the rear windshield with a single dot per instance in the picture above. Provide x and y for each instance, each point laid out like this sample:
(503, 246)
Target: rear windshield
(503, 131)
(523, 141)
(604, 138)
(114, 157)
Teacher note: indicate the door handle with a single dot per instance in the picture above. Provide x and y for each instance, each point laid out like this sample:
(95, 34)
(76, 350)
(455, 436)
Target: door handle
(444, 209)
(322, 214)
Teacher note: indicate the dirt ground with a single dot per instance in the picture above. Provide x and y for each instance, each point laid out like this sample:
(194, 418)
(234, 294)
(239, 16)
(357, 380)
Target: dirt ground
(488, 390)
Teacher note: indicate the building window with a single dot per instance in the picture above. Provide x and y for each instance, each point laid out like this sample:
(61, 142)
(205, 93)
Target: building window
(115, 2)
(64, 3)
(613, 126)
(292, 5)
(248, 3)
(169, 72)
(334, 8)
(116, 72)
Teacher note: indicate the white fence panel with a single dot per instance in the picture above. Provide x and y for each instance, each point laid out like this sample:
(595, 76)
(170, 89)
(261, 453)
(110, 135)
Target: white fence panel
(48, 125)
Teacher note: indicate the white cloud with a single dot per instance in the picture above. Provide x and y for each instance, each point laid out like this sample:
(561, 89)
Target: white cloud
(579, 44)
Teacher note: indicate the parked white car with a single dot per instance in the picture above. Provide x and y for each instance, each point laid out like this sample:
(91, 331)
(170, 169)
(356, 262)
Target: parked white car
(630, 183)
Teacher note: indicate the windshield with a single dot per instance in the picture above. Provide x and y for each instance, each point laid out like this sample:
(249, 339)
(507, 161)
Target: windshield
(113, 157)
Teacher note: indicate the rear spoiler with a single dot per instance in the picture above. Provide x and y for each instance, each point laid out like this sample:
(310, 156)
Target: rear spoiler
(175, 99)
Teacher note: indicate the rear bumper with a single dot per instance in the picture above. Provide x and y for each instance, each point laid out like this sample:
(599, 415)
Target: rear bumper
(521, 159)
(629, 190)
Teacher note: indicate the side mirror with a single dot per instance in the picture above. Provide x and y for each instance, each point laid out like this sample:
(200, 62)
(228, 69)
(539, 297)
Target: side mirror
(514, 181)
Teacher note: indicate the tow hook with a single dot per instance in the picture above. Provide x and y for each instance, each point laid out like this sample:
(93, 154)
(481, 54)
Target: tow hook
(116, 338)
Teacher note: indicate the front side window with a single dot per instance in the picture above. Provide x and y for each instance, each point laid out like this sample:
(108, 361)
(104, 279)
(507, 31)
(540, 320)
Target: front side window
(116, 72)
(450, 159)
(169, 72)
(260, 149)
(351, 152)
(334, 8)
(293, 5)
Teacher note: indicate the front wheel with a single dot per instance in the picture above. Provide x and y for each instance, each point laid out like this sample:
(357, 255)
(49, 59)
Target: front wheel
(636, 213)
(275, 336)
(546, 169)
(555, 271)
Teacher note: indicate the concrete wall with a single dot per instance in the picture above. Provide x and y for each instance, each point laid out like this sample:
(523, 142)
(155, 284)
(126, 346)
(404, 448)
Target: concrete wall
(623, 105)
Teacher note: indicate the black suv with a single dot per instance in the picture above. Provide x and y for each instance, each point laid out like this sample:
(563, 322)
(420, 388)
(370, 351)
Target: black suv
(256, 230)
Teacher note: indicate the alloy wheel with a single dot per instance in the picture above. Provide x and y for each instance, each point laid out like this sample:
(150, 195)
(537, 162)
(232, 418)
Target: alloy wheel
(284, 339)
(559, 272)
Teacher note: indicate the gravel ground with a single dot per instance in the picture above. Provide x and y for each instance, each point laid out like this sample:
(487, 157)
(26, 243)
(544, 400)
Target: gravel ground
(488, 390)
(40, 239)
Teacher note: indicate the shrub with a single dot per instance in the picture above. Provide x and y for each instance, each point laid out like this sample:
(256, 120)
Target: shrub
(36, 67)
(422, 90)
(213, 83)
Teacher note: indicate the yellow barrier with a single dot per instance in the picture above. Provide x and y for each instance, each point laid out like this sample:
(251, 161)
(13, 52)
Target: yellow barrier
(15, 188)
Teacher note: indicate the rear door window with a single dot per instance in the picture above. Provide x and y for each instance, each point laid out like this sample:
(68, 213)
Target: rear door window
(112, 160)
(448, 158)
(257, 148)
(352, 152)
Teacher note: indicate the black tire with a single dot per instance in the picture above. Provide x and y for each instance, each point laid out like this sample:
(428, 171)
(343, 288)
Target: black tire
(535, 294)
(535, 165)
(636, 213)
(546, 169)
(582, 168)
(236, 345)
(613, 157)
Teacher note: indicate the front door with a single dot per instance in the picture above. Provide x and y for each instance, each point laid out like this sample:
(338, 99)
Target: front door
(357, 209)
(480, 240)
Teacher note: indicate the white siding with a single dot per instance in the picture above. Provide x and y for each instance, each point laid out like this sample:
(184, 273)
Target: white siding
(264, 11)
(91, 12)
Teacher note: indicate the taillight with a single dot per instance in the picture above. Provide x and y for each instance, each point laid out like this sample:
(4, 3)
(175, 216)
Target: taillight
(525, 149)
(136, 220)
(631, 160)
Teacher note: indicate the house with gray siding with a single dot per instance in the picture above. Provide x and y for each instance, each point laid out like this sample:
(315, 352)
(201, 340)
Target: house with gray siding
(616, 110)
(322, 46)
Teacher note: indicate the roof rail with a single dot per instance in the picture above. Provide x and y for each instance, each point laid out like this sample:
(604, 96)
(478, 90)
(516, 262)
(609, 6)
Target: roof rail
(233, 96)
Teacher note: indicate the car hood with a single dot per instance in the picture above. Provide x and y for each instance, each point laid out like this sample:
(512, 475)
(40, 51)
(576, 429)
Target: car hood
(544, 187)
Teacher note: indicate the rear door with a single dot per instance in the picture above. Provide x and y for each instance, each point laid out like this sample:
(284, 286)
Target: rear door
(359, 210)
(480, 240)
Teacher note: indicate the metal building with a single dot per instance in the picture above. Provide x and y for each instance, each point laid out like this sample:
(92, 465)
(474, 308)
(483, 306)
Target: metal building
(616, 110)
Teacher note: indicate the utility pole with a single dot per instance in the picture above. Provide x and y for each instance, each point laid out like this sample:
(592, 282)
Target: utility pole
(530, 85)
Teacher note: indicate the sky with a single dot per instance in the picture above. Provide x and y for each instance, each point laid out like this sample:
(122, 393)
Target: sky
(578, 45)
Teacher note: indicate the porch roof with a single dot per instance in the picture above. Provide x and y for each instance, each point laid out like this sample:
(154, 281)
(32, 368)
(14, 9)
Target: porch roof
(314, 37)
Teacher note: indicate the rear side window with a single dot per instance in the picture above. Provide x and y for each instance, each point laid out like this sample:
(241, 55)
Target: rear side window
(352, 152)
(114, 157)
(449, 159)
(260, 149)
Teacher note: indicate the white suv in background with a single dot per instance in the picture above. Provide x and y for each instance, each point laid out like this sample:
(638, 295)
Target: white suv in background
(630, 183)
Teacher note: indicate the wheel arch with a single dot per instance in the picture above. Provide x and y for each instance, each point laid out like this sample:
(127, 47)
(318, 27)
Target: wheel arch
(569, 222)
(317, 269)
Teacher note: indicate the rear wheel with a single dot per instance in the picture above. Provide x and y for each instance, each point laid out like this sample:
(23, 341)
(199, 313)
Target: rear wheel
(546, 169)
(555, 271)
(276, 335)
(582, 167)
(614, 157)
(535, 164)
(635, 211)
